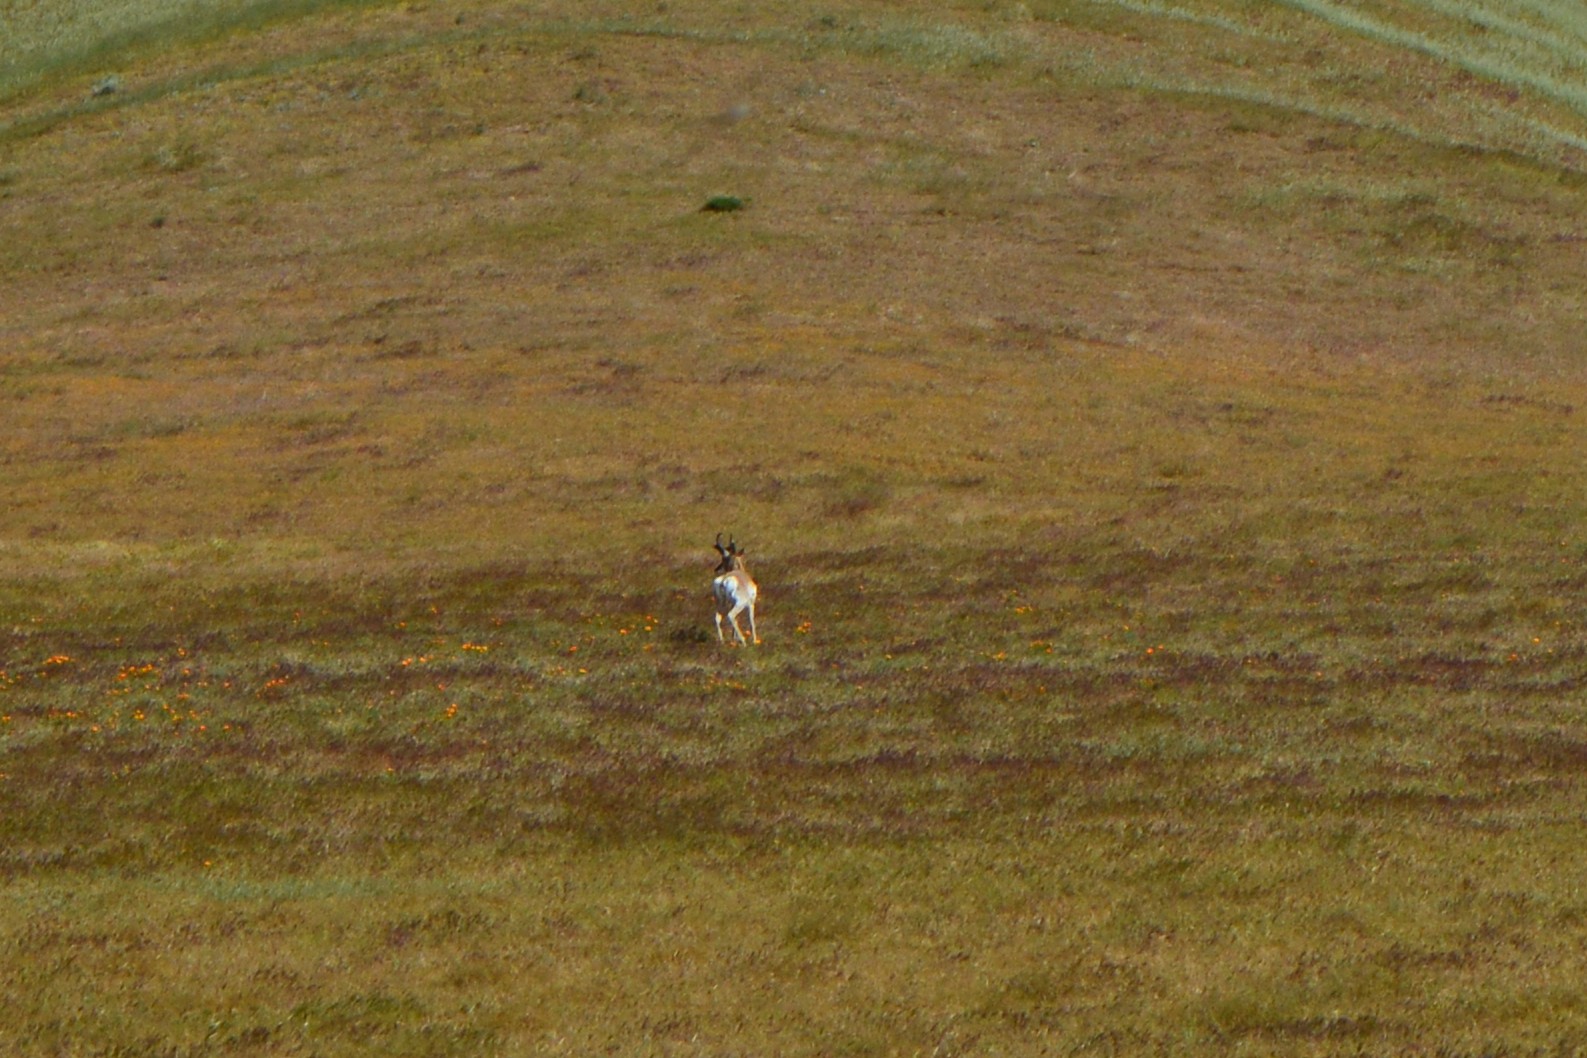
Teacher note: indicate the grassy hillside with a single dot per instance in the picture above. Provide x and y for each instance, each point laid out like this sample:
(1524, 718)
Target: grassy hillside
(1155, 428)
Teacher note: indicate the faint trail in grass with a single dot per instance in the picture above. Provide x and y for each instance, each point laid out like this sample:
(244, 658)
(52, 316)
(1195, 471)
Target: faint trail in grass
(1200, 18)
(1485, 64)
(114, 34)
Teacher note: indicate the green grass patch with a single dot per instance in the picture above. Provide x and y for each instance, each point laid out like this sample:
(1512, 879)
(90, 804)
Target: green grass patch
(53, 41)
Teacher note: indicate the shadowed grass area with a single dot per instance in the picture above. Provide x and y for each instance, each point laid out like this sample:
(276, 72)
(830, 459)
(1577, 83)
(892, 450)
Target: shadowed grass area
(1155, 429)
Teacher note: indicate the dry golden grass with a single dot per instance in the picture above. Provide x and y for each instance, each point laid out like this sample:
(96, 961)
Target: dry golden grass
(1156, 431)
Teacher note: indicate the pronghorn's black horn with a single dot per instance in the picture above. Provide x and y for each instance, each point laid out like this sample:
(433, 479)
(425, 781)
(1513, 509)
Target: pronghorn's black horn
(719, 543)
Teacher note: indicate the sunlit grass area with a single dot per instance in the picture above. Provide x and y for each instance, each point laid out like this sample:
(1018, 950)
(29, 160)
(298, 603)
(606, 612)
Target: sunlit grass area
(42, 40)
(1155, 429)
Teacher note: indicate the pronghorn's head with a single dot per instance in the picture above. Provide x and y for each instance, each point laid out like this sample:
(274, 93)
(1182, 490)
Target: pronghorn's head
(732, 555)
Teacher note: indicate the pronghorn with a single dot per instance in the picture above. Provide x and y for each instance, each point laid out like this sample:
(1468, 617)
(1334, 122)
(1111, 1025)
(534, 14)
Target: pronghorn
(734, 590)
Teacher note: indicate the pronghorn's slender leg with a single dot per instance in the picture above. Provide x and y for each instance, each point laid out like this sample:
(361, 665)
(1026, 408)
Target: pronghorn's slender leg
(720, 638)
(732, 616)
